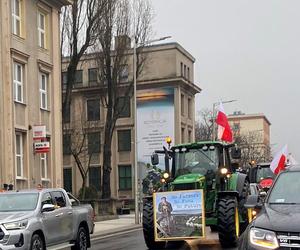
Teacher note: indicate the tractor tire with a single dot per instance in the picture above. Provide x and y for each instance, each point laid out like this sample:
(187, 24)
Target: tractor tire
(148, 227)
(242, 210)
(228, 222)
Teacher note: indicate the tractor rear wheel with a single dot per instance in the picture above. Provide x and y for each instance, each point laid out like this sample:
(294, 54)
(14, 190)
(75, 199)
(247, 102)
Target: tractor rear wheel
(242, 210)
(148, 227)
(228, 222)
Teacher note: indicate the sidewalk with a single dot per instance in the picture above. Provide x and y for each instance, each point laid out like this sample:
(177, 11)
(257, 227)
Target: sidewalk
(123, 223)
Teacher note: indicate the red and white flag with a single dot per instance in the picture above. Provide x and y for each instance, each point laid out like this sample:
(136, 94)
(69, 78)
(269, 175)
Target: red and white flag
(224, 129)
(279, 162)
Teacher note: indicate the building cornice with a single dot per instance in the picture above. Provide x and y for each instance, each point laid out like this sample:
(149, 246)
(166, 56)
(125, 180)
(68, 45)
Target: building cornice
(248, 117)
(145, 49)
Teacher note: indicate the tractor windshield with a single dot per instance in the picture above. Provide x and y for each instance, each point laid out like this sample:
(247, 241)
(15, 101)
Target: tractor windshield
(196, 161)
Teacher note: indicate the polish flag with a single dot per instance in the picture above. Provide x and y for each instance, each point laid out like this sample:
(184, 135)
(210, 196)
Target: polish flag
(224, 129)
(279, 161)
(292, 161)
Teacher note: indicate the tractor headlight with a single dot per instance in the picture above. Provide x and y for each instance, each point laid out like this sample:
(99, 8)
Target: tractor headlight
(224, 171)
(263, 238)
(16, 225)
(166, 175)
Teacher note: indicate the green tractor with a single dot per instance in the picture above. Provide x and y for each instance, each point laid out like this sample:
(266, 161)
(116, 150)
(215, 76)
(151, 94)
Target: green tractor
(206, 166)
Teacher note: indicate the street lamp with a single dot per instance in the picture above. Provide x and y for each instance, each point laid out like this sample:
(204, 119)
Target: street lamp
(214, 117)
(135, 45)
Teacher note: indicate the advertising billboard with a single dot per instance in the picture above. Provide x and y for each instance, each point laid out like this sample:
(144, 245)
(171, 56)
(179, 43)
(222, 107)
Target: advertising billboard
(155, 122)
(179, 214)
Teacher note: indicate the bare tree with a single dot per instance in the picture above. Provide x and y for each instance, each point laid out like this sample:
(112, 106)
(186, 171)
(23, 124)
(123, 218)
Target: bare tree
(115, 30)
(253, 148)
(81, 149)
(204, 127)
(79, 23)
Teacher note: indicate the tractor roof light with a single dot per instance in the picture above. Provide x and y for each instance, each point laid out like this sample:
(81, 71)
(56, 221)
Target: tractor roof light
(224, 171)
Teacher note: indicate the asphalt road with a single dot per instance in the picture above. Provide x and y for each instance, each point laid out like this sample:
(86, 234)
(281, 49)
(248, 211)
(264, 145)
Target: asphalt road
(135, 241)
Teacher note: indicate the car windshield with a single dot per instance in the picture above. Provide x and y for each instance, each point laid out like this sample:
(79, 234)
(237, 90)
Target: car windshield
(196, 161)
(13, 202)
(263, 173)
(286, 189)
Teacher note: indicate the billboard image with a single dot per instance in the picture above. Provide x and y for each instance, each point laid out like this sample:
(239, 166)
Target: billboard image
(155, 122)
(179, 214)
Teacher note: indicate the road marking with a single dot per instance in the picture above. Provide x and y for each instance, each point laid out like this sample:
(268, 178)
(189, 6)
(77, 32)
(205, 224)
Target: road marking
(114, 234)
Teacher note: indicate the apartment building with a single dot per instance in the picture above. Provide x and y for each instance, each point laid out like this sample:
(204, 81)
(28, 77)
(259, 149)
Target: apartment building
(30, 92)
(165, 95)
(254, 126)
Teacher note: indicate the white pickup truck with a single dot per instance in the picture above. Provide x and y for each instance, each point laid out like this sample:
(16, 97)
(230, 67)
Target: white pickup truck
(44, 219)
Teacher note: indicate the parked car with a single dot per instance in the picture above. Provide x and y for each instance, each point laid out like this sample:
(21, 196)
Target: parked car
(277, 225)
(43, 218)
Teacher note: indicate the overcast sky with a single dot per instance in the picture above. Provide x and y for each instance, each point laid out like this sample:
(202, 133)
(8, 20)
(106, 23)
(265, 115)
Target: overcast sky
(247, 50)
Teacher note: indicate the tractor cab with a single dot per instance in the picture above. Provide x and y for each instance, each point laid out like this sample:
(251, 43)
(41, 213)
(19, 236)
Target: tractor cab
(187, 165)
(262, 175)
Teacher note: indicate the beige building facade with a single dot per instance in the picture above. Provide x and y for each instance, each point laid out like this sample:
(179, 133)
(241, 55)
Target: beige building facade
(30, 91)
(256, 127)
(167, 66)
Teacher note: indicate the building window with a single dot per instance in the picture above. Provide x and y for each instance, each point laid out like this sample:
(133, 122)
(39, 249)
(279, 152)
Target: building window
(16, 16)
(236, 127)
(124, 140)
(19, 155)
(125, 179)
(123, 74)
(95, 177)
(124, 106)
(68, 179)
(42, 29)
(182, 135)
(67, 115)
(94, 143)
(44, 169)
(67, 144)
(182, 104)
(43, 91)
(181, 69)
(93, 109)
(64, 79)
(93, 77)
(188, 73)
(18, 82)
(190, 136)
(78, 78)
(184, 73)
(190, 111)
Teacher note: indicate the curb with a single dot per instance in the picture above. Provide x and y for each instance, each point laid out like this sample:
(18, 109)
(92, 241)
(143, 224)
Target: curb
(124, 229)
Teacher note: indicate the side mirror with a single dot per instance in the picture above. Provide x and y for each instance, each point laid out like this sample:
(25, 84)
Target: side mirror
(154, 159)
(48, 208)
(253, 202)
(236, 153)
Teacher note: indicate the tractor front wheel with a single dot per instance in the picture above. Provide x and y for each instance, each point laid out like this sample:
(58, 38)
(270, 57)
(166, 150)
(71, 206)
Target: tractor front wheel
(148, 227)
(228, 222)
